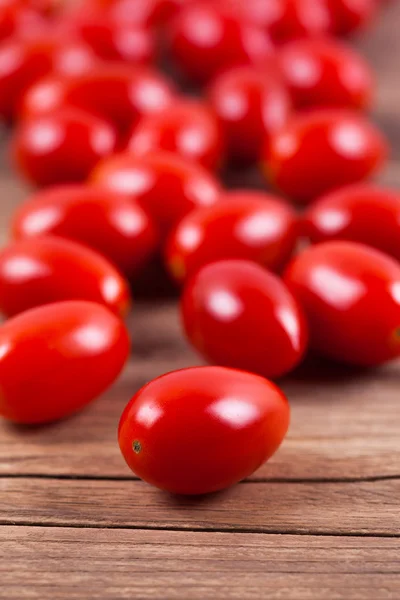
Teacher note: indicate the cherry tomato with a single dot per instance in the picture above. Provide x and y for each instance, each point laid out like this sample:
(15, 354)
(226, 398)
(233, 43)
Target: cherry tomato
(165, 185)
(20, 21)
(188, 128)
(321, 150)
(55, 359)
(62, 146)
(351, 296)
(119, 93)
(200, 430)
(247, 224)
(325, 73)
(361, 213)
(250, 105)
(148, 13)
(113, 224)
(205, 41)
(349, 15)
(237, 314)
(23, 62)
(49, 269)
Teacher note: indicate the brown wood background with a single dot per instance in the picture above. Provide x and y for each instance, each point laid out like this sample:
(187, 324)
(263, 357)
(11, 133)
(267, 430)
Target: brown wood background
(320, 521)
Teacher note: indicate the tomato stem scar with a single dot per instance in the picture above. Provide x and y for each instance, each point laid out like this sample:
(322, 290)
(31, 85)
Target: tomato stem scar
(137, 446)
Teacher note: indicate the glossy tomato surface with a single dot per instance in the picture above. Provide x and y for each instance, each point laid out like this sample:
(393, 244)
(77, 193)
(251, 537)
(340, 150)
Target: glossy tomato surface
(111, 223)
(250, 104)
(62, 147)
(363, 213)
(323, 72)
(165, 185)
(246, 224)
(350, 15)
(187, 128)
(50, 269)
(351, 297)
(321, 150)
(200, 430)
(206, 40)
(55, 359)
(238, 314)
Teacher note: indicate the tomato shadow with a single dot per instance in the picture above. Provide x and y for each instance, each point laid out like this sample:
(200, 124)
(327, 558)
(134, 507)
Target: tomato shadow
(181, 501)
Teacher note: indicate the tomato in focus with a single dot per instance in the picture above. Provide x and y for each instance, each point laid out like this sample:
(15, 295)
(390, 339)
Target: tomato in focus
(200, 430)
(55, 359)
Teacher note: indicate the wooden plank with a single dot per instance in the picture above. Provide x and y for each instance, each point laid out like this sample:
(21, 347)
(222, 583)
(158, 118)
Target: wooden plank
(59, 563)
(327, 508)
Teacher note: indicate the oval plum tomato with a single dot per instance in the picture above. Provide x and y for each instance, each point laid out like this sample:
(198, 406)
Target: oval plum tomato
(110, 223)
(188, 128)
(360, 213)
(237, 314)
(349, 15)
(62, 146)
(351, 297)
(50, 269)
(250, 105)
(205, 41)
(200, 430)
(165, 185)
(57, 358)
(325, 73)
(246, 224)
(24, 62)
(121, 93)
(321, 150)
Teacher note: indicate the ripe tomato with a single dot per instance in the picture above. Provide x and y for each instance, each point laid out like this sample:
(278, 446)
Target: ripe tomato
(349, 15)
(250, 105)
(165, 185)
(24, 62)
(351, 296)
(111, 223)
(20, 21)
(120, 93)
(200, 430)
(246, 224)
(239, 315)
(55, 359)
(62, 146)
(325, 73)
(361, 213)
(205, 41)
(187, 128)
(147, 13)
(49, 269)
(321, 150)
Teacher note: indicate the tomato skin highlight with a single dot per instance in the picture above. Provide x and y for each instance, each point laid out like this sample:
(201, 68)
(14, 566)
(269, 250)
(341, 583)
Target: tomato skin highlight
(200, 430)
(112, 224)
(237, 314)
(246, 225)
(350, 294)
(49, 269)
(57, 358)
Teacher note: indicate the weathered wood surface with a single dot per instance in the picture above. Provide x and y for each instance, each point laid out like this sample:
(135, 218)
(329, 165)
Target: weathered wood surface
(75, 523)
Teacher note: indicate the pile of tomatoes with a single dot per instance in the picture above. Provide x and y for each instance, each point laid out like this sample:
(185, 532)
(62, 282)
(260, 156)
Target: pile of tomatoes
(129, 171)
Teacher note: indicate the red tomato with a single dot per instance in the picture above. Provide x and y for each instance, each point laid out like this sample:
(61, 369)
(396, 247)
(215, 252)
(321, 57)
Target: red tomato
(251, 105)
(167, 186)
(50, 269)
(55, 359)
(237, 314)
(200, 430)
(62, 146)
(19, 21)
(321, 150)
(349, 15)
(23, 62)
(110, 223)
(351, 296)
(120, 93)
(205, 41)
(361, 213)
(247, 224)
(325, 73)
(187, 128)
(147, 13)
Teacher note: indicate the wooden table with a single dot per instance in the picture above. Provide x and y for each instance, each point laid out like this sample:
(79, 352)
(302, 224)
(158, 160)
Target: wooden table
(320, 521)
